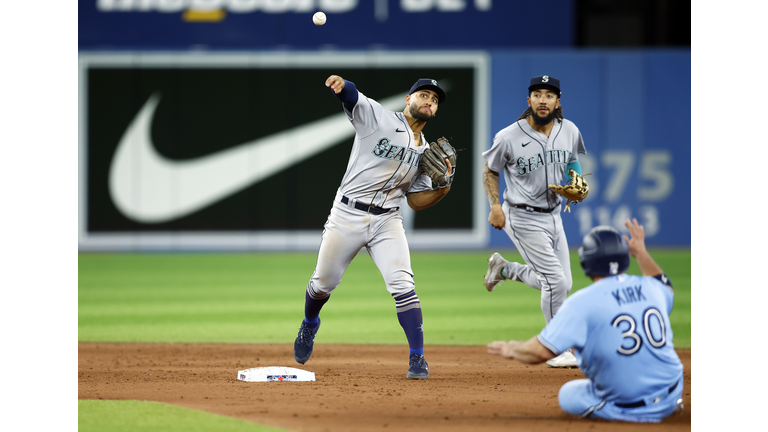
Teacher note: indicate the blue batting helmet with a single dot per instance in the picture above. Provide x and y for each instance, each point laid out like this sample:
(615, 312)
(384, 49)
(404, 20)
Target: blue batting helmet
(604, 252)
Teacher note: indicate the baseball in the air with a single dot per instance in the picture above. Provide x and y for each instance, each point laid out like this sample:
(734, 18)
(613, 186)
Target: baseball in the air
(318, 18)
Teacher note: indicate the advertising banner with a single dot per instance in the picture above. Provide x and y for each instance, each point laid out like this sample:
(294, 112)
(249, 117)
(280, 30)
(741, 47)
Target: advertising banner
(351, 24)
(246, 151)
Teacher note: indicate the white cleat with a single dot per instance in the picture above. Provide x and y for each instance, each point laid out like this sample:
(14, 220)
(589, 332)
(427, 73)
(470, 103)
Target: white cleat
(680, 408)
(493, 276)
(564, 360)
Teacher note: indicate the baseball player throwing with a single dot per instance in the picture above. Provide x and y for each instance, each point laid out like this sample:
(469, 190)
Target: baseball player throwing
(534, 152)
(620, 330)
(386, 169)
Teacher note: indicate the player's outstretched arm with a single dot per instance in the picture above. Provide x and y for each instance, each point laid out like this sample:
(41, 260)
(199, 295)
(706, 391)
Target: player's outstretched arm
(491, 186)
(528, 352)
(637, 249)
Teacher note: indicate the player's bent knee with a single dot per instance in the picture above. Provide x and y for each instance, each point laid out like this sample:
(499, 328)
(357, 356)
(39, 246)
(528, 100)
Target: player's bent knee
(400, 285)
(568, 284)
(400, 289)
(556, 279)
(318, 288)
(576, 396)
(559, 287)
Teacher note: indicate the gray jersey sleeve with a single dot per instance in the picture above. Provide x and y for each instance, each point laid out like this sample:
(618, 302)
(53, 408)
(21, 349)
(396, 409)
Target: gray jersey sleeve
(578, 148)
(365, 115)
(420, 184)
(498, 156)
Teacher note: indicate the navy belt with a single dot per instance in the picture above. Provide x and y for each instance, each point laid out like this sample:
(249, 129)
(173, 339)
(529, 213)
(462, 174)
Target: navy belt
(372, 209)
(641, 403)
(533, 209)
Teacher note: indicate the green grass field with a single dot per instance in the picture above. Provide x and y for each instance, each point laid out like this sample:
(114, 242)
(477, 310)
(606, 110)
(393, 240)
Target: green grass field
(259, 298)
(131, 416)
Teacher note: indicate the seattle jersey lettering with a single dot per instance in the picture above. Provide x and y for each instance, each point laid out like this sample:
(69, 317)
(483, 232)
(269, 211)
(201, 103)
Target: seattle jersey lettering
(384, 149)
(628, 295)
(554, 156)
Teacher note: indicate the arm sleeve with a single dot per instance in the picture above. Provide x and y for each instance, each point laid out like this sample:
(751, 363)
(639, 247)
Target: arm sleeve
(580, 149)
(663, 278)
(668, 294)
(576, 166)
(348, 96)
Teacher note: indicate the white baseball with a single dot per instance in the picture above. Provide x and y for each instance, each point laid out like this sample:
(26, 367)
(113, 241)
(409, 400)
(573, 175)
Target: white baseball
(318, 18)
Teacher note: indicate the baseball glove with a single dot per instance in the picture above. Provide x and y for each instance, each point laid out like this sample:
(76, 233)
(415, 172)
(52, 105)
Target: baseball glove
(433, 162)
(574, 191)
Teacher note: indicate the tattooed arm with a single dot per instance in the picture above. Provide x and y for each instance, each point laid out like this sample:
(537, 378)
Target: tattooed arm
(491, 186)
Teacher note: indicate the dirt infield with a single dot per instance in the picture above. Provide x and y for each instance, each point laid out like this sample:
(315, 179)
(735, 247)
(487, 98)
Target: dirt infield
(358, 388)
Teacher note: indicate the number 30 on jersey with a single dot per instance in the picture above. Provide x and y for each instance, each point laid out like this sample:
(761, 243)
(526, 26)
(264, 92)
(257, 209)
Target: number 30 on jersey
(652, 322)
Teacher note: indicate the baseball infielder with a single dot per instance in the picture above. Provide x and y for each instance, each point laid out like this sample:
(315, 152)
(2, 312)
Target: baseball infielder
(382, 175)
(620, 329)
(534, 152)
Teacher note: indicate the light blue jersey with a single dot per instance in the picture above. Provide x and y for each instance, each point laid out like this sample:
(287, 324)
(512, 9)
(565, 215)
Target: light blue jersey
(620, 331)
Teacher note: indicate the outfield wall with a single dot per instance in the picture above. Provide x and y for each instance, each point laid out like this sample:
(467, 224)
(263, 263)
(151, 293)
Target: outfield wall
(244, 150)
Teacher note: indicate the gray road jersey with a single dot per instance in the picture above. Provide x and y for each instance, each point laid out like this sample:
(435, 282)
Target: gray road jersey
(532, 161)
(384, 162)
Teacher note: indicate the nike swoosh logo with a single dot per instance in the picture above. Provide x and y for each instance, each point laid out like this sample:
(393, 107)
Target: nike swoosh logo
(150, 188)
(398, 130)
(526, 143)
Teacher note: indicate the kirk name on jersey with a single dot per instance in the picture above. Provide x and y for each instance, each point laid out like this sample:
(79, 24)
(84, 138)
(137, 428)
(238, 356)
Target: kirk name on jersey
(630, 294)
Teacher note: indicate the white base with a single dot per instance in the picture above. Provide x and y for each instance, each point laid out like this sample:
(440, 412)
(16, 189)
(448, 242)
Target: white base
(275, 373)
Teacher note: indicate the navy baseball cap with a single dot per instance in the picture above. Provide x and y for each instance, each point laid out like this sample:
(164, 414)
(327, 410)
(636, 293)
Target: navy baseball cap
(428, 83)
(544, 81)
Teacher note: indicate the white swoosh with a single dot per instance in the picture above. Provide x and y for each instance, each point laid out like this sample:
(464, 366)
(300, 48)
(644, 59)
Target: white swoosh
(150, 188)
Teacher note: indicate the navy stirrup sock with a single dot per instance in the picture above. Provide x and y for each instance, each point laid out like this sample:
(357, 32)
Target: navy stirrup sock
(409, 316)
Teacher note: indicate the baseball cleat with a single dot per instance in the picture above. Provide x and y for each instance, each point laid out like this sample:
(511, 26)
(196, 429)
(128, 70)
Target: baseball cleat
(564, 360)
(493, 276)
(680, 408)
(305, 342)
(419, 369)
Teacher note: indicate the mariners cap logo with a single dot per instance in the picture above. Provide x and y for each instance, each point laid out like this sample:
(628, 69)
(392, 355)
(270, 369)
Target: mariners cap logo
(545, 80)
(434, 82)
